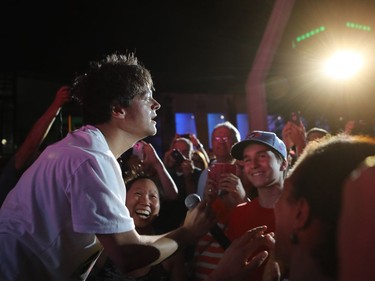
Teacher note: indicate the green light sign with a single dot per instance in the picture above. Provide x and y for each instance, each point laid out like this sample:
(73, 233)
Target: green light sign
(358, 26)
(307, 35)
(311, 33)
(322, 28)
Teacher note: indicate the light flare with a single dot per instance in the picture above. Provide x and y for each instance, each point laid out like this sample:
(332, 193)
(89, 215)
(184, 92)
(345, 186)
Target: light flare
(344, 65)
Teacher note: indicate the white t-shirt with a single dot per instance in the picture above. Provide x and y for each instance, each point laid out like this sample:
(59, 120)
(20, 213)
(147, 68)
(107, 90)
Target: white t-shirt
(72, 191)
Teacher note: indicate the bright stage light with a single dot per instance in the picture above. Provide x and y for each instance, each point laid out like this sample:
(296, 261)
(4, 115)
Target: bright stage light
(344, 65)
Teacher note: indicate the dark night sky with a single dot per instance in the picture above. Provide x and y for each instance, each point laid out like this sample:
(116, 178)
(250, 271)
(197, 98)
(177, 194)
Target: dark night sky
(202, 45)
(199, 46)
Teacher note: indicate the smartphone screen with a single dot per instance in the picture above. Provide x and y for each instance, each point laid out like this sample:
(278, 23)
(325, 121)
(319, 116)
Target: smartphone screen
(221, 168)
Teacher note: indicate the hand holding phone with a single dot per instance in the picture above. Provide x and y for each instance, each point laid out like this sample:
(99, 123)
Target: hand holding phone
(177, 156)
(215, 171)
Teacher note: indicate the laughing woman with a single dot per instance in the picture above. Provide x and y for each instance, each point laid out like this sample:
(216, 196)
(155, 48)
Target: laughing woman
(143, 202)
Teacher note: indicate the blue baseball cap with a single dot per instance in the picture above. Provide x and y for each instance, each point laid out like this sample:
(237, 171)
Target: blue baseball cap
(269, 139)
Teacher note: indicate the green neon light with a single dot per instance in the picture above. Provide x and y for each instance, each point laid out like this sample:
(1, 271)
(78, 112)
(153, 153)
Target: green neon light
(358, 26)
(310, 34)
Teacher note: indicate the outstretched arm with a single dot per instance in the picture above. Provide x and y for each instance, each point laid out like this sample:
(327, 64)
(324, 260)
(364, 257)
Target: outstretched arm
(40, 129)
(199, 146)
(294, 135)
(152, 161)
(131, 251)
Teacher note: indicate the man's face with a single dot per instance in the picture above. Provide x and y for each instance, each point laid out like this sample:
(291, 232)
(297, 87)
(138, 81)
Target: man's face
(262, 167)
(140, 114)
(284, 224)
(222, 142)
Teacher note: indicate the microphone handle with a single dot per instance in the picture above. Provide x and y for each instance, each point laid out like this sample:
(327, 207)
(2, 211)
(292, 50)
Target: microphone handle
(220, 237)
(217, 233)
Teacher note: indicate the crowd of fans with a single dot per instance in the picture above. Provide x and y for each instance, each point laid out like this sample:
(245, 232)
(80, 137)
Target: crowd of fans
(101, 204)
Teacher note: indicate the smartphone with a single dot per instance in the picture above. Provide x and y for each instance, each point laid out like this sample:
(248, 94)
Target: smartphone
(177, 156)
(138, 150)
(217, 169)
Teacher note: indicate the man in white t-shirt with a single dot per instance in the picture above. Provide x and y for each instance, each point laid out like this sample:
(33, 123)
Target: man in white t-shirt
(70, 204)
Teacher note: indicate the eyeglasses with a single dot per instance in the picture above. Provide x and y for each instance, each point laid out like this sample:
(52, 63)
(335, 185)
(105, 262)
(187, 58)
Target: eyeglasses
(222, 139)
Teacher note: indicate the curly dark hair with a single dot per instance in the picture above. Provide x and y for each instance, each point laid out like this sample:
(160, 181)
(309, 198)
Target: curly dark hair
(113, 81)
(318, 177)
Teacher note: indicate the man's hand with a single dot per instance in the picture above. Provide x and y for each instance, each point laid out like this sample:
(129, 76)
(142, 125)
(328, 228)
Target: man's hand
(239, 260)
(231, 189)
(294, 135)
(199, 220)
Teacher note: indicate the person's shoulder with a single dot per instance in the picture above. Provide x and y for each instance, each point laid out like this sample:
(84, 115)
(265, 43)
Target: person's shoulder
(78, 147)
(85, 139)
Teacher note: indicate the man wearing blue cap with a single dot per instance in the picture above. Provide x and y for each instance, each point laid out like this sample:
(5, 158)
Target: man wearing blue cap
(264, 157)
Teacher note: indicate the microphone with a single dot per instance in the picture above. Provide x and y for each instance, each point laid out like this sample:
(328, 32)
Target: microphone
(191, 201)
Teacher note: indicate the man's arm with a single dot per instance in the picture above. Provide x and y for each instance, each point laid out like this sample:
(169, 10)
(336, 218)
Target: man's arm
(131, 251)
(40, 129)
(199, 146)
(152, 161)
(294, 135)
(30, 146)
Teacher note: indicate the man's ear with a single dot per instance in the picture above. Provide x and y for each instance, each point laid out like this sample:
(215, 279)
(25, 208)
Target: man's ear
(302, 214)
(284, 165)
(118, 111)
